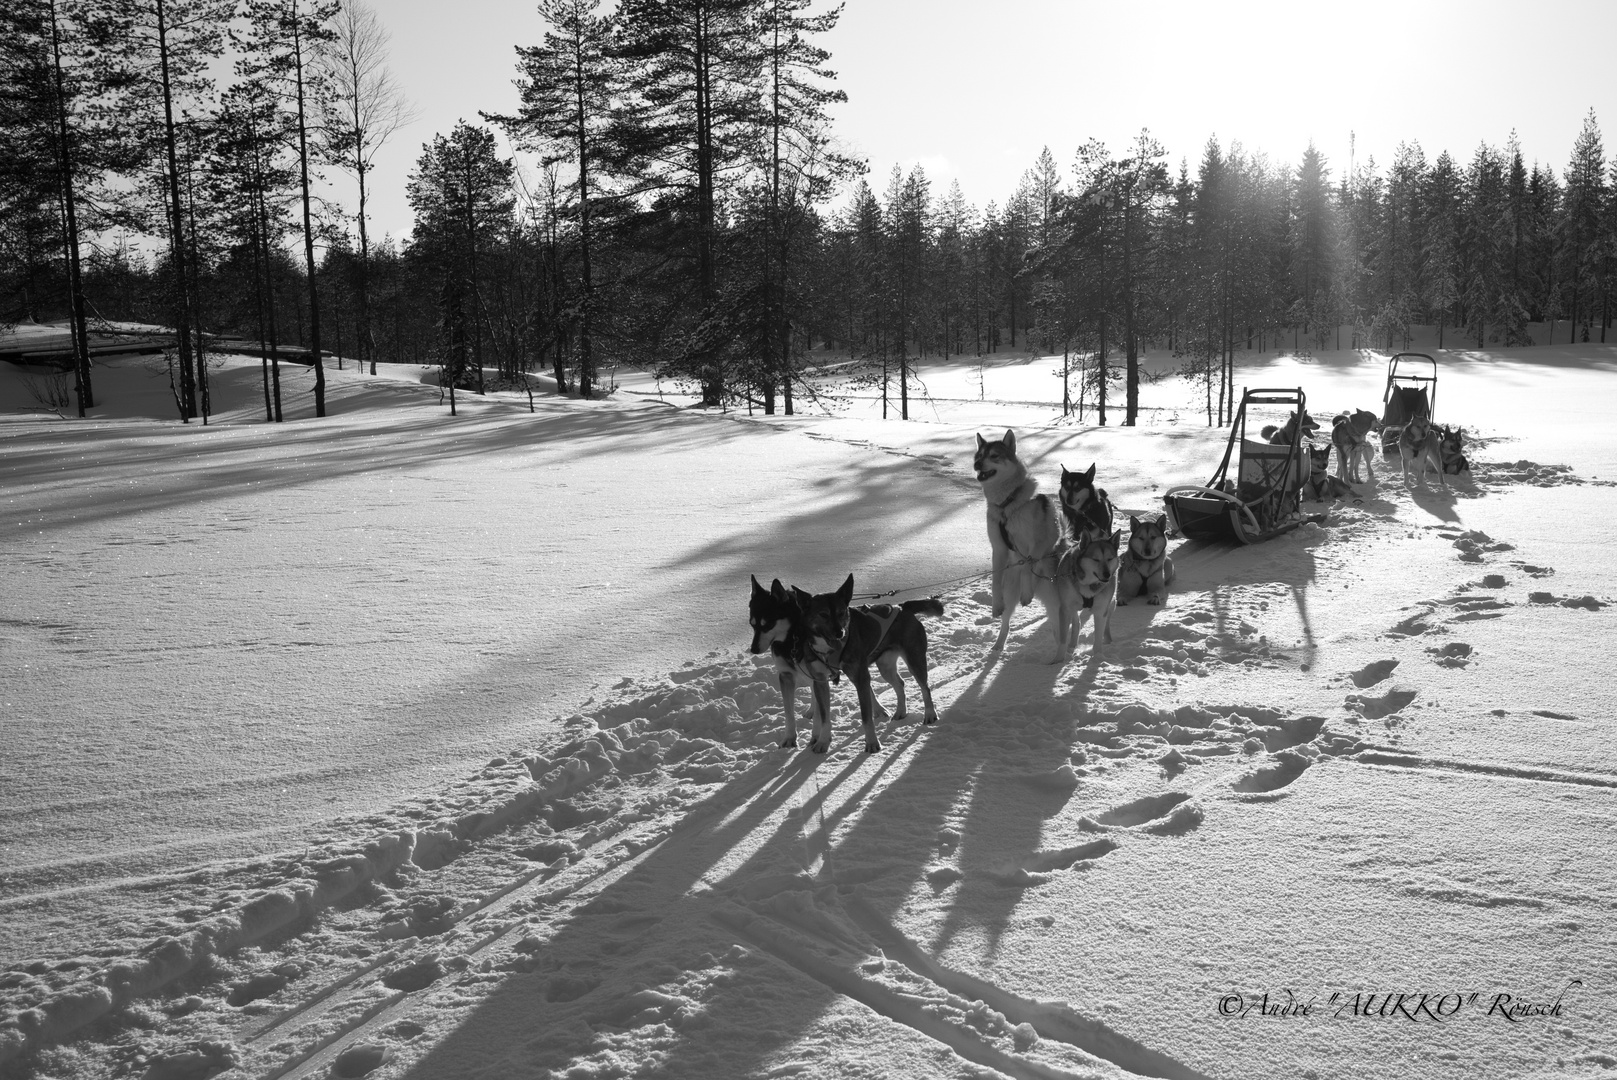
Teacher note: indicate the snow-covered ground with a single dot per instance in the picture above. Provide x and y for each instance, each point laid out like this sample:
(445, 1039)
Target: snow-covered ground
(402, 745)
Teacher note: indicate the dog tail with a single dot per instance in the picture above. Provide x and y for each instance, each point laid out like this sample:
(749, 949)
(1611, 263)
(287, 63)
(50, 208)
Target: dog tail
(930, 606)
(1270, 431)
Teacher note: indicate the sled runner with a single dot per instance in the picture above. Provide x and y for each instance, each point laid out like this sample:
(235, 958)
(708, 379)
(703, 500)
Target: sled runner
(1411, 392)
(1260, 498)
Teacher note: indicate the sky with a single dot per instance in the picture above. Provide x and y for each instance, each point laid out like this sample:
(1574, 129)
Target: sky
(975, 97)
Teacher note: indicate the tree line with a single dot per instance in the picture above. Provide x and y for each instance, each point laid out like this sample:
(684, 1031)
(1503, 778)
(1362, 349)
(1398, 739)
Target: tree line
(683, 215)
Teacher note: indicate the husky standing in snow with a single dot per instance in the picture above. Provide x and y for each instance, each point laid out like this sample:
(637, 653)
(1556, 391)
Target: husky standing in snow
(1024, 528)
(1350, 434)
(1418, 442)
(1086, 581)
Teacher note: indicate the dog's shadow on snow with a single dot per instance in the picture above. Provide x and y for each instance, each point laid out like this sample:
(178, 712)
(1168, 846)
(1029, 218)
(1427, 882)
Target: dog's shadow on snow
(774, 849)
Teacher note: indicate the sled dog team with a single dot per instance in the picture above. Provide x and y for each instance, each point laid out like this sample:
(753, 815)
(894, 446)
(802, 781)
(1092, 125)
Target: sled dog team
(1442, 449)
(1065, 554)
(1062, 552)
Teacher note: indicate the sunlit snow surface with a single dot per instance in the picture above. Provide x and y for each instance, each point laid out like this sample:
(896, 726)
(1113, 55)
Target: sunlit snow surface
(399, 744)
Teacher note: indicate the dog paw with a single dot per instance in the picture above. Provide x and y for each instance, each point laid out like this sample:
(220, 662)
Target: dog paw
(789, 743)
(1155, 601)
(873, 746)
(998, 610)
(929, 719)
(820, 747)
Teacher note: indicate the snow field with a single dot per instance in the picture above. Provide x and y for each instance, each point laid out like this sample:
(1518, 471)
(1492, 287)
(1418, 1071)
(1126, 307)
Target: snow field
(1363, 757)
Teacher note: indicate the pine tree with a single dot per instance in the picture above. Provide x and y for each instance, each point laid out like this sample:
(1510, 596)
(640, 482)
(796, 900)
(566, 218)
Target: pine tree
(908, 218)
(801, 167)
(364, 110)
(569, 88)
(53, 148)
(691, 130)
(282, 42)
(155, 56)
(460, 192)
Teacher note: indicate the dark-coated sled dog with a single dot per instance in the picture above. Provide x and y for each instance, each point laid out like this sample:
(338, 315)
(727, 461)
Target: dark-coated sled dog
(1087, 509)
(1321, 486)
(1350, 434)
(820, 638)
(1451, 447)
(1286, 434)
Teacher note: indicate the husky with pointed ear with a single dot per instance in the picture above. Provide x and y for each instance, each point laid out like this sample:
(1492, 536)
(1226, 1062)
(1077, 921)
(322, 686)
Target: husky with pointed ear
(1350, 435)
(1419, 442)
(1087, 509)
(1146, 566)
(1086, 577)
(843, 640)
(1451, 445)
(1321, 486)
(1023, 530)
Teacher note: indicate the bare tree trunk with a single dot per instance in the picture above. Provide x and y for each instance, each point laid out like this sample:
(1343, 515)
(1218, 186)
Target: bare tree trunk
(187, 392)
(308, 224)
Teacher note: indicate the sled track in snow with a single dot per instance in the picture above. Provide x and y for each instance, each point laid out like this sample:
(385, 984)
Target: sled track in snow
(1417, 763)
(531, 892)
(1054, 1021)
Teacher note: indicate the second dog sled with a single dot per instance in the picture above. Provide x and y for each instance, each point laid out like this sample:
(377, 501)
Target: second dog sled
(1411, 392)
(1260, 499)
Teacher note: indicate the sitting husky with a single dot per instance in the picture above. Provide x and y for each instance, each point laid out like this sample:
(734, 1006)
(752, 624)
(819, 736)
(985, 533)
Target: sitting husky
(1350, 434)
(1321, 486)
(1451, 447)
(1286, 434)
(1087, 509)
(1023, 530)
(1146, 566)
(847, 640)
(1086, 580)
(1418, 442)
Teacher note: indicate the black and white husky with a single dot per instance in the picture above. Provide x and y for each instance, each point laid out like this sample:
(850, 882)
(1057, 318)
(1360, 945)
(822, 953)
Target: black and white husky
(1023, 530)
(819, 638)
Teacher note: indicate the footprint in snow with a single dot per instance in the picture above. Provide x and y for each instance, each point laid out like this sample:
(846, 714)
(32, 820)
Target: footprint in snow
(1169, 814)
(1456, 654)
(1373, 673)
(1041, 866)
(1587, 603)
(1292, 731)
(1374, 708)
(1276, 776)
(1414, 626)
(1534, 571)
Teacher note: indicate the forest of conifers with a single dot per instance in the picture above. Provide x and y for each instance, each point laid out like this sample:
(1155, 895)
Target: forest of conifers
(686, 207)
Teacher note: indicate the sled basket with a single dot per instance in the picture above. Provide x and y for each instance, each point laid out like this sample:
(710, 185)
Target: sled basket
(1261, 499)
(1411, 392)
